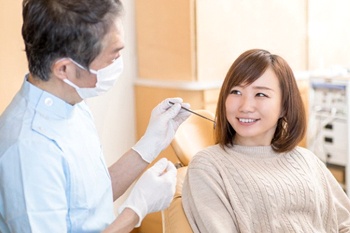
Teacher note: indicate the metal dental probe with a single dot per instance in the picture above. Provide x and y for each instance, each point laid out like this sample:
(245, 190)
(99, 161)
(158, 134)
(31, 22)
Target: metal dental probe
(188, 110)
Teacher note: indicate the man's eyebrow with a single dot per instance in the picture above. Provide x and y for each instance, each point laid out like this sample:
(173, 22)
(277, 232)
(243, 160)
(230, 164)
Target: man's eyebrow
(119, 48)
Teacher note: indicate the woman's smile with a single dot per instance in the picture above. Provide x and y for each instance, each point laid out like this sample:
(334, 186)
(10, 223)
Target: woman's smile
(247, 120)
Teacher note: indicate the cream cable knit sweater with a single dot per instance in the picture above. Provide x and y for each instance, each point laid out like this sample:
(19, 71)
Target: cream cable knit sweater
(254, 189)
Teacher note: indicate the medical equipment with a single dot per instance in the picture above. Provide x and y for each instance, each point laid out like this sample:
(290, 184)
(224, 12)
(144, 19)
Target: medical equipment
(188, 110)
(328, 128)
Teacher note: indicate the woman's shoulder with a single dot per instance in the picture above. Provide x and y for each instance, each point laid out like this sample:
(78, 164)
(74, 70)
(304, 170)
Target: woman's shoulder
(304, 152)
(207, 155)
(306, 155)
(209, 151)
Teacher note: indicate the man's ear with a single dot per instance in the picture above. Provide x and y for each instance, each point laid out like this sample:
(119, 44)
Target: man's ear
(62, 68)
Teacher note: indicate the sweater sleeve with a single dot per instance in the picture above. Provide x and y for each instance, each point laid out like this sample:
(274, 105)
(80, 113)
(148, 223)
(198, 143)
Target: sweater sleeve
(340, 199)
(205, 200)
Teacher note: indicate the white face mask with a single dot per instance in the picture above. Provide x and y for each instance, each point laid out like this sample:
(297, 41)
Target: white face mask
(106, 78)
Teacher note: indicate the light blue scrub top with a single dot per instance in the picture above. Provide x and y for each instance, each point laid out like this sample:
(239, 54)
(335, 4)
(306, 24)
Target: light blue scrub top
(53, 177)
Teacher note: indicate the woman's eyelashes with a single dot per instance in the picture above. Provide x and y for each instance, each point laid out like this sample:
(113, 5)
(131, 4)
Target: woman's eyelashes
(237, 92)
(261, 95)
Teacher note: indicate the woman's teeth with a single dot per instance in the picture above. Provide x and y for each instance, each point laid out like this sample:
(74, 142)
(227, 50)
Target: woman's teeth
(246, 120)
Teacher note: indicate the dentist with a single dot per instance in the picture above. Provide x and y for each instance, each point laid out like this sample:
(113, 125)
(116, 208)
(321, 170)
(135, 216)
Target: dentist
(53, 177)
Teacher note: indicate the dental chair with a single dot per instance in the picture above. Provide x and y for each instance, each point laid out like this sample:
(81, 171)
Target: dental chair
(192, 136)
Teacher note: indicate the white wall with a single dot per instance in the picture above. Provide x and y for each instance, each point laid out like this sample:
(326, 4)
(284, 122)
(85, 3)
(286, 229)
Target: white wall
(329, 34)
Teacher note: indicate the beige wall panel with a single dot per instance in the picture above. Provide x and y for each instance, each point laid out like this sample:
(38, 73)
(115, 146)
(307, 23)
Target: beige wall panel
(329, 34)
(13, 63)
(211, 96)
(165, 39)
(226, 28)
(148, 97)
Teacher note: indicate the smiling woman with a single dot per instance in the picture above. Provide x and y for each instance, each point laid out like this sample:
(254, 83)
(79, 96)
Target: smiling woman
(256, 179)
(253, 110)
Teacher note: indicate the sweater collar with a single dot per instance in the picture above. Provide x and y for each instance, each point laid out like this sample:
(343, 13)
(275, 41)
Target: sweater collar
(255, 151)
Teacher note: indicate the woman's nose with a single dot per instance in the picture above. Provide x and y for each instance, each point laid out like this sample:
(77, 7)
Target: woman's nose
(246, 104)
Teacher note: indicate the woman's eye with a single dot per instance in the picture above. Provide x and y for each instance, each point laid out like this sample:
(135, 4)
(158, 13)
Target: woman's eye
(261, 95)
(235, 92)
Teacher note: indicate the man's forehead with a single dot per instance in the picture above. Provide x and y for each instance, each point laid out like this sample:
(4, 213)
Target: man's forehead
(114, 39)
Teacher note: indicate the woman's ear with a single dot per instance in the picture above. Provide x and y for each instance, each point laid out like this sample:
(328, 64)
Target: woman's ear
(283, 113)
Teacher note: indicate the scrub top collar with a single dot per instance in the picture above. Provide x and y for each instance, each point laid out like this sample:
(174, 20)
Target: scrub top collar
(45, 102)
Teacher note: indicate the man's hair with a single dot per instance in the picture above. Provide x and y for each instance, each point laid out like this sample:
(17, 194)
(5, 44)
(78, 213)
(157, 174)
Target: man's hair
(247, 68)
(65, 28)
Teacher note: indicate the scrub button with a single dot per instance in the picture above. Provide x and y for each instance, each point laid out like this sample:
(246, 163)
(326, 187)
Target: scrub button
(48, 102)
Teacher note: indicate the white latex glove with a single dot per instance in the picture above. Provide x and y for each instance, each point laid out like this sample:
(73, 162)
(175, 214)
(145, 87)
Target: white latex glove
(153, 191)
(165, 120)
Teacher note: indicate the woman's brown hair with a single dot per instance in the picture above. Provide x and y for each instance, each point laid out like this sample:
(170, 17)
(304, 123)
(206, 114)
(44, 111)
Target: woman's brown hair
(247, 68)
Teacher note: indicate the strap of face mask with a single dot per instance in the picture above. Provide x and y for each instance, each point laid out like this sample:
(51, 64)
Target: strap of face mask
(70, 83)
(82, 67)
